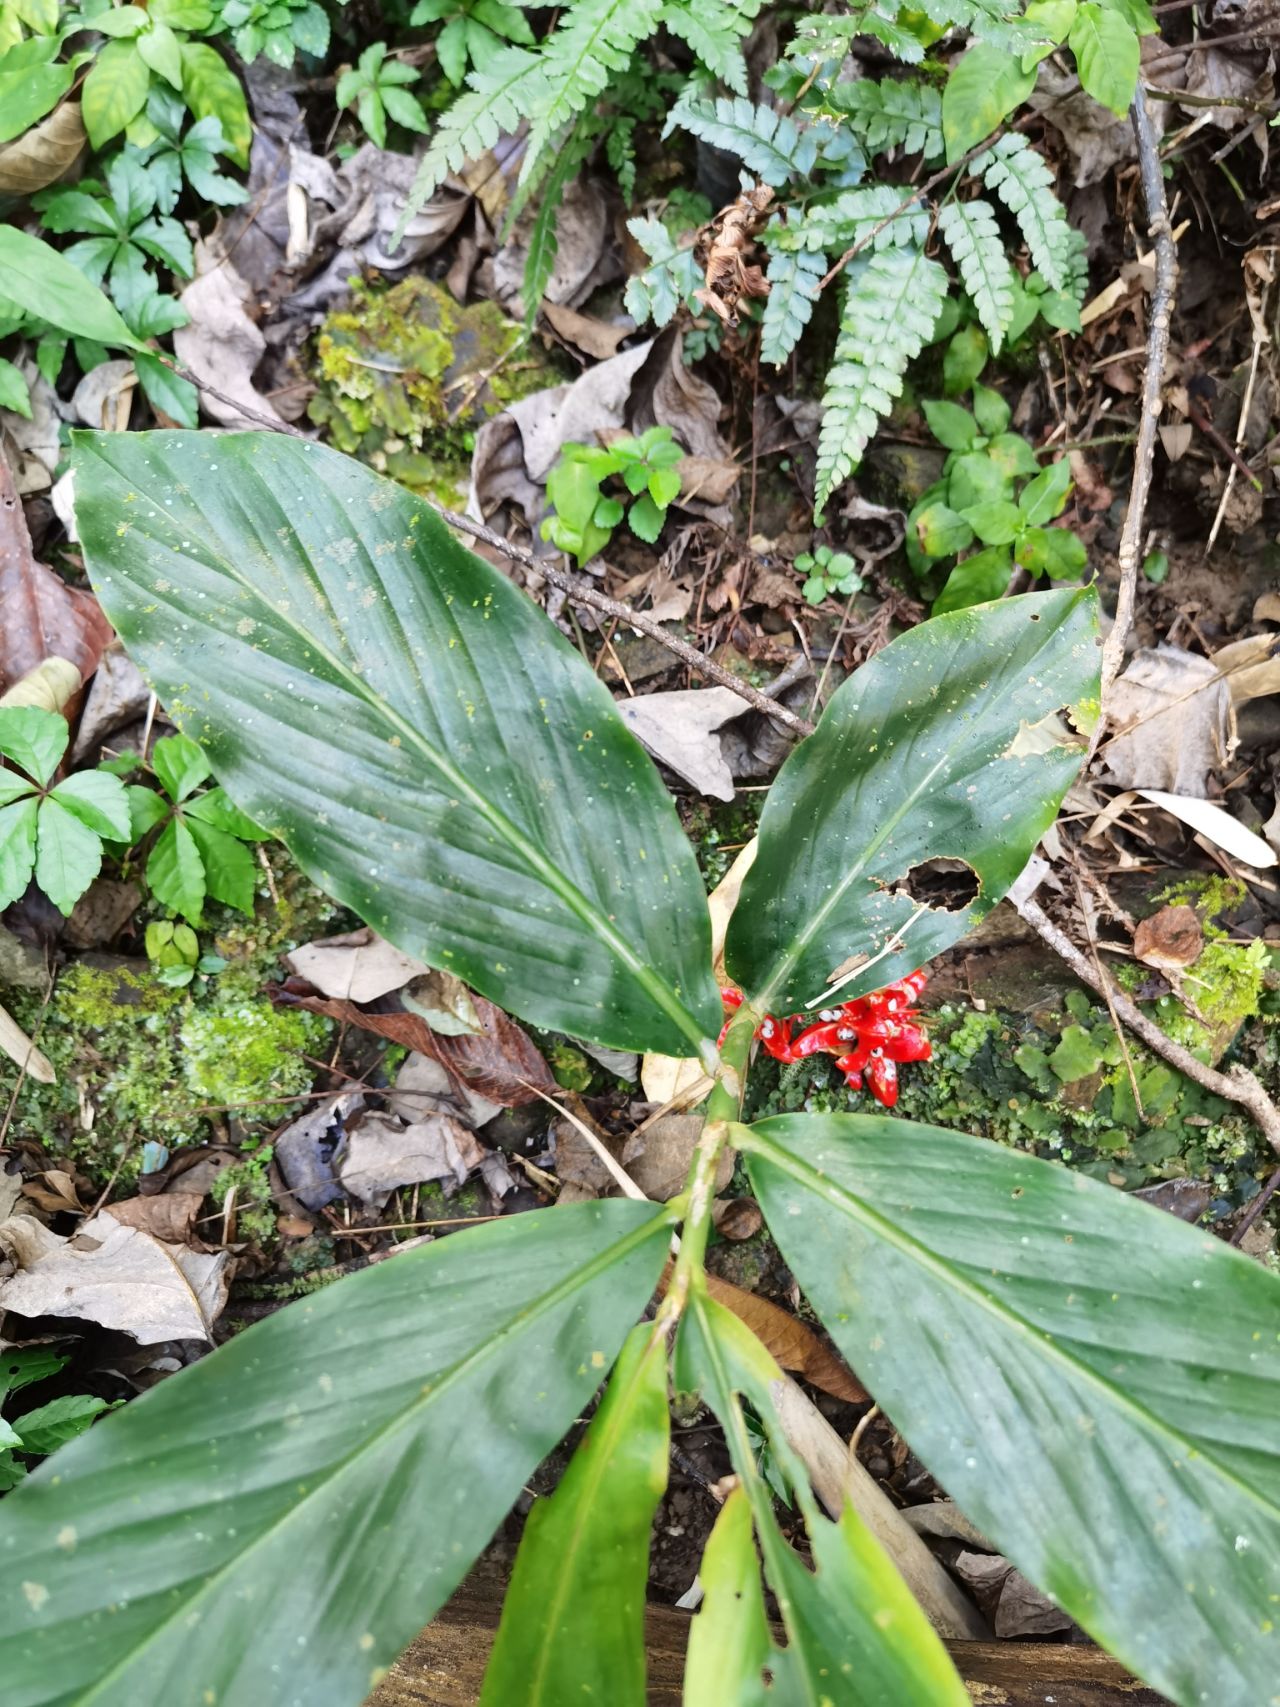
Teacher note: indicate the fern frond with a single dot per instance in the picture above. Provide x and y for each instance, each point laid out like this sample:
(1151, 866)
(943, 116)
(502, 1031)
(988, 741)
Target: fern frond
(620, 152)
(1017, 174)
(890, 114)
(794, 281)
(671, 279)
(544, 236)
(891, 305)
(850, 218)
(498, 96)
(769, 144)
(821, 36)
(715, 34)
(973, 237)
(1075, 263)
(595, 40)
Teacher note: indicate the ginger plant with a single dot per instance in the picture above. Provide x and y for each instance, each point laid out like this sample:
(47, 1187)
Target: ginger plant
(1093, 1381)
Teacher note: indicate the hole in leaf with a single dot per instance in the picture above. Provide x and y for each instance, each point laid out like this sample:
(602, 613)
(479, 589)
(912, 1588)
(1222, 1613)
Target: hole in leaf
(946, 885)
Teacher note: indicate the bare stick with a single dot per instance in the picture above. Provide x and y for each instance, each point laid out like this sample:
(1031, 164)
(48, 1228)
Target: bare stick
(557, 577)
(1158, 322)
(1239, 1085)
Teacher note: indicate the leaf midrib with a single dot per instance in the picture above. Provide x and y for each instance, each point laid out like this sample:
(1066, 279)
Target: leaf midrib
(539, 866)
(579, 1279)
(1050, 1347)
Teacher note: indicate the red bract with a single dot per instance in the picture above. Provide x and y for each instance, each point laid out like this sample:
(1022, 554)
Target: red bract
(869, 1037)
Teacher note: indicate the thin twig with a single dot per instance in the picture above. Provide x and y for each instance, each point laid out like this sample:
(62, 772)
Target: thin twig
(1158, 323)
(1239, 1085)
(577, 590)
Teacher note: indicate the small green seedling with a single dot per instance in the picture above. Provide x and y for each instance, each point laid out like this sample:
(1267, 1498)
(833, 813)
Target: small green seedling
(376, 86)
(474, 30)
(55, 834)
(43, 1430)
(201, 851)
(829, 573)
(992, 492)
(174, 952)
(583, 518)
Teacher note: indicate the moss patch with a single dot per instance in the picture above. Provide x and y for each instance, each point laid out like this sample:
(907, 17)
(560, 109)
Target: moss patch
(404, 374)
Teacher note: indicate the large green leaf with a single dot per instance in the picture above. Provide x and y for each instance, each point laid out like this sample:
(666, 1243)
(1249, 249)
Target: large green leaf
(729, 1641)
(1095, 1382)
(433, 751)
(274, 1524)
(925, 753)
(855, 1635)
(573, 1621)
(54, 288)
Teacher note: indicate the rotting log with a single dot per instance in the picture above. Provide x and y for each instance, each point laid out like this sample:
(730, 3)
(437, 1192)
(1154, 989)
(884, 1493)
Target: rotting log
(444, 1666)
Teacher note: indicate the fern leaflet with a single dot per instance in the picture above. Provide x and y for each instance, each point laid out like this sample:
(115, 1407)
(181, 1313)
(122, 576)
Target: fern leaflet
(851, 218)
(595, 40)
(1018, 175)
(544, 236)
(620, 152)
(891, 304)
(891, 114)
(497, 98)
(769, 144)
(794, 281)
(821, 36)
(671, 279)
(973, 237)
(715, 35)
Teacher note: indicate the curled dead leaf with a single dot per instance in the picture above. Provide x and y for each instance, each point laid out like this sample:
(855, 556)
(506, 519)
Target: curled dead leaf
(43, 154)
(1173, 937)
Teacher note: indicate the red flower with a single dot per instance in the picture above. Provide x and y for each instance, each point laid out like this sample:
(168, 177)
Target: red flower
(871, 1036)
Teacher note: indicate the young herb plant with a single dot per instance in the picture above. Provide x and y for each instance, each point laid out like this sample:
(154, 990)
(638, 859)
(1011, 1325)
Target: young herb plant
(44, 1428)
(584, 516)
(51, 831)
(828, 574)
(461, 779)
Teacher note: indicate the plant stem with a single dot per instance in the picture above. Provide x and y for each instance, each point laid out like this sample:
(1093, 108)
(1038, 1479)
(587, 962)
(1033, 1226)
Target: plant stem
(723, 1107)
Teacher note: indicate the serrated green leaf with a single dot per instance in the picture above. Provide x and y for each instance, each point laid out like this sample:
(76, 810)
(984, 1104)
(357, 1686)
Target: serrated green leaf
(1045, 497)
(180, 764)
(212, 90)
(17, 849)
(230, 870)
(114, 92)
(1109, 1424)
(175, 872)
(1108, 55)
(1016, 173)
(33, 739)
(942, 531)
(978, 580)
(997, 522)
(215, 808)
(98, 800)
(983, 89)
(950, 424)
(573, 1620)
(793, 293)
(320, 1431)
(912, 759)
(30, 269)
(645, 519)
(15, 393)
(53, 1425)
(68, 855)
(333, 616)
(769, 143)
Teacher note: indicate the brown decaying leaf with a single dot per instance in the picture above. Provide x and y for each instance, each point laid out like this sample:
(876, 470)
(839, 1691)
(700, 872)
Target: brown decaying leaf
(722, 250)
(40, 616)
(170, 1216)
(1173, 937)
(786, 1338)
(500, 1062)
(43, 154)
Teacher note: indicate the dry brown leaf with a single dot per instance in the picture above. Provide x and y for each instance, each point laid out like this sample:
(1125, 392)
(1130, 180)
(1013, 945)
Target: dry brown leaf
(114, 1275)
(40, 615)
(359, 966)
(722, 252)
(15, 1043)
(658, 1156)
(1251, 666)
(381, 1153)
(680, 728)
(55, 1192)
(168, 1215)
(595, 338)
(43, 154)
